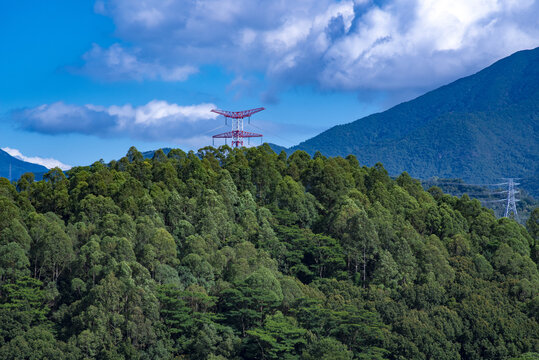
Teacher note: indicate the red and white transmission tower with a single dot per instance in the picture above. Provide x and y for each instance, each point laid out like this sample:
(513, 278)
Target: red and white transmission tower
(237, 134)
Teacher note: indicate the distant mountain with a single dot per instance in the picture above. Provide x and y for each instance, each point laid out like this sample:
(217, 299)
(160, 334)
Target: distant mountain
(18, 167)
(479, 128)
(277, 148)
(149, 154)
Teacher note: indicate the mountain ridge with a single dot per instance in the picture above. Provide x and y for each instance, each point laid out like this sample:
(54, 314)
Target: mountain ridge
(479, 128)
(18, 167)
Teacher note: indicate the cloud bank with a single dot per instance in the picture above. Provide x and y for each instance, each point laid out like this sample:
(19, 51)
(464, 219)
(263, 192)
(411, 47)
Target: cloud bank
(49, 163)
(346, 45)
(156, 120)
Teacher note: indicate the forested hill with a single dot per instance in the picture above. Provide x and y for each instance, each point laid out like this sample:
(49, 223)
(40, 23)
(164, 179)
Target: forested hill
(246, 254)
(479, 128)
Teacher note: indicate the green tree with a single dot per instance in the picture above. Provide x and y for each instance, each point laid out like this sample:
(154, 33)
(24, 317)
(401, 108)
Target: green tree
(278, 338)
(248, 303)
(326, 348)
(23, 304)
(13, 263)
(36, 343)
(52, 250)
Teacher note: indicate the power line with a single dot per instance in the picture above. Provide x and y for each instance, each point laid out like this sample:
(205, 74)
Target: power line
(457, 183)
(488, 196)
(274, 134)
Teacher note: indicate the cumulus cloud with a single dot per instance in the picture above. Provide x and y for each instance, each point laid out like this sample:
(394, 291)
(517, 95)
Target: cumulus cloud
(61, 118)
(49, 163)
(339, 45)
(117, 63)
(156, 120)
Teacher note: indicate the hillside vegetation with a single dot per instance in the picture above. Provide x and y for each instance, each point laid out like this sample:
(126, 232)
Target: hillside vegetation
(246, 254)
(480, 128)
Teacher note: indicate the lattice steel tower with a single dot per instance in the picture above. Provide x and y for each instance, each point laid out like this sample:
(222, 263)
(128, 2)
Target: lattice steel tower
(237, 134)
(511, 205)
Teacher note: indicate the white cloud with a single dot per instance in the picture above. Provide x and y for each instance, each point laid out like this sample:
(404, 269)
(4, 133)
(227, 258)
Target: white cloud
(447, 22)
(118, 63)
(342, 45)
(156, 120)
(157, 112)
(49, 163)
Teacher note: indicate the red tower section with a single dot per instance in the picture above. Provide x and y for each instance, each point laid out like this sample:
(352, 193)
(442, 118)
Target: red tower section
(237, 134)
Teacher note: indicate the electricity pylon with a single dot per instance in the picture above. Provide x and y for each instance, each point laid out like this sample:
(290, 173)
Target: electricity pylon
(237, 134)
(511, 205)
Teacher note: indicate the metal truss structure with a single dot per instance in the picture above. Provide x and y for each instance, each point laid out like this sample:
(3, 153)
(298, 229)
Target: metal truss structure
(237, 134)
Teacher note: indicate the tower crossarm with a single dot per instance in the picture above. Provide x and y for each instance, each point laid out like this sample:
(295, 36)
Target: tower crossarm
(238, 133)
(237, 114)
(236, 118)
(225, 135)
(250, 134)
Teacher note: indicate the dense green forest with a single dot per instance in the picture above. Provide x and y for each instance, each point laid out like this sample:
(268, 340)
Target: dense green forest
(246, 254)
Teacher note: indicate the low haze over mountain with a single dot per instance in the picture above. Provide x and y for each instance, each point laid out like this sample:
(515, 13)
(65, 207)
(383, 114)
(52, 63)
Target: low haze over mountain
(478, 128)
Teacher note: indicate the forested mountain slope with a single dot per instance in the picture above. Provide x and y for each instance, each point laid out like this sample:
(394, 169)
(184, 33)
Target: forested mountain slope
(246, 254)
(18, 167)
(479, 128)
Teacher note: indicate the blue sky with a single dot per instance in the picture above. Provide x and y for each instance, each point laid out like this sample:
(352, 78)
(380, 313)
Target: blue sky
(84, 80)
